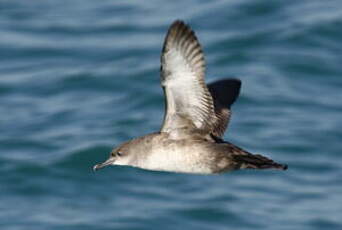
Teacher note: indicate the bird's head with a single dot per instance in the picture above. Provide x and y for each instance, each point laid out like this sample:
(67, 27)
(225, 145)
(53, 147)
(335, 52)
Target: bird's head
(121, 155)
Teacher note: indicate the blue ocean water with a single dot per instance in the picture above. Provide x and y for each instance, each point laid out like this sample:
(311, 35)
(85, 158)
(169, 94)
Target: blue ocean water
(79, 77)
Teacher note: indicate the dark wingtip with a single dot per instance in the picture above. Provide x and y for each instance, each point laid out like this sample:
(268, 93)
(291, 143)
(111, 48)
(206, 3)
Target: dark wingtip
(176, 31)
(225, 91)
(285, 167)
(175, 25)
(177, 21)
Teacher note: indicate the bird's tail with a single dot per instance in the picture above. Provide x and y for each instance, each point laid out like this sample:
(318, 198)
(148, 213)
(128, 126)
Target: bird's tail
(251, 161)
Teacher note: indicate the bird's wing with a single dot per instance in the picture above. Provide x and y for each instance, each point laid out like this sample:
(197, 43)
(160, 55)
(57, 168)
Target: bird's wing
(224, 93)
(189, 105)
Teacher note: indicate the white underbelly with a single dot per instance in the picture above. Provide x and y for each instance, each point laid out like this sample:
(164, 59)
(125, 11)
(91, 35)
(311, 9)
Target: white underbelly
(185, 160)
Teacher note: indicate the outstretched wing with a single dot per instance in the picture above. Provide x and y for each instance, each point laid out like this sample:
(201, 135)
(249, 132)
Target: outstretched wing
(224, 93)
(189, 105)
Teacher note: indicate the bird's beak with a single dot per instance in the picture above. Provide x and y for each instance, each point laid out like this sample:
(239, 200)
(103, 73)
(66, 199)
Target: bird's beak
(104, 164)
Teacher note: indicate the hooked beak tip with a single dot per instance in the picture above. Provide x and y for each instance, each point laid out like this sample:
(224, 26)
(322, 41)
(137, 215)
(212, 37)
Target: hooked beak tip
(104, 164)
(95, 168)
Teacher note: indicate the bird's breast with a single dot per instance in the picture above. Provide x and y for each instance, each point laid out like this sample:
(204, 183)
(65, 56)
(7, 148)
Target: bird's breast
(177, 157)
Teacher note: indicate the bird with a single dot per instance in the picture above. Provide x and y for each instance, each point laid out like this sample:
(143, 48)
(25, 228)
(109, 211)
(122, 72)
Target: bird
(196, 117)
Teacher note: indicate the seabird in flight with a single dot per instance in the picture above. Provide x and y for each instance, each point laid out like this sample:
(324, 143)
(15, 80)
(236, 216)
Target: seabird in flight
(196, 117)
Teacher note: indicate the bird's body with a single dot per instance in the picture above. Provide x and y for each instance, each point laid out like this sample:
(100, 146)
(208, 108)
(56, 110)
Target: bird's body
(164, 154)
(159, 152)
(196, 117)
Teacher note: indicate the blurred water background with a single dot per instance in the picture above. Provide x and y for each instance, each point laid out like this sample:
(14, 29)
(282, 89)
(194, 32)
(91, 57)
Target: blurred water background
(78, 77)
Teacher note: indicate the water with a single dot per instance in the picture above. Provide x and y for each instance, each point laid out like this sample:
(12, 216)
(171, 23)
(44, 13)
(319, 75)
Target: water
(79, 77)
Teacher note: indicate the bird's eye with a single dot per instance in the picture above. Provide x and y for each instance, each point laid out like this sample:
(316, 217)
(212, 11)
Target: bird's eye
(119, 153)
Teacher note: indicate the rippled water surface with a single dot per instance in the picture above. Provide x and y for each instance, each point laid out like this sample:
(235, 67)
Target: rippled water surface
(79, 77)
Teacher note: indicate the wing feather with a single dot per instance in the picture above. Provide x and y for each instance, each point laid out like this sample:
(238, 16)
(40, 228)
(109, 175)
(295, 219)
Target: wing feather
(224, 93)
(189, 105)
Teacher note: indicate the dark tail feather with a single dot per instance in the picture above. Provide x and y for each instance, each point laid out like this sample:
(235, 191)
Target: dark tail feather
(252, 161)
